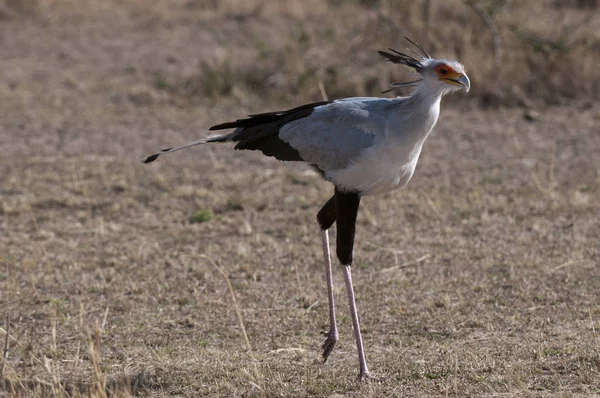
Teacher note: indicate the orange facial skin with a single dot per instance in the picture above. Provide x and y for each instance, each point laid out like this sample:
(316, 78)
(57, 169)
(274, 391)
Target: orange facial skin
(446, 73)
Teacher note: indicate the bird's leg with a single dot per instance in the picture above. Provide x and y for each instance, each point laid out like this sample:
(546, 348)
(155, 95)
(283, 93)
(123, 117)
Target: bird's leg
(364, 371)
(332, 334)
(326, 217)
(346, 208)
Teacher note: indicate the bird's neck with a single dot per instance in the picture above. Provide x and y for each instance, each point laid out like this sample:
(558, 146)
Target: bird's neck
(428, 94)
(423, 106)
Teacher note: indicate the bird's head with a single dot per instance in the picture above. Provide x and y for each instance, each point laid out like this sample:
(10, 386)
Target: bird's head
(442, 74)
(450, 74)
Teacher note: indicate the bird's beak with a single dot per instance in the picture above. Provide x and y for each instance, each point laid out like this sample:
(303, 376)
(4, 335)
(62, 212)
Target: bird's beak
(464, 81)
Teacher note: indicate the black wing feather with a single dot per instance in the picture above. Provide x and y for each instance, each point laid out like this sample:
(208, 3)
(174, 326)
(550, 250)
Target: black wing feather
(261, 131)
(267, 117)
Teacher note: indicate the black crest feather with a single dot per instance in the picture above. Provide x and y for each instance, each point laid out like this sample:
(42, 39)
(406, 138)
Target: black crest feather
(404, 59)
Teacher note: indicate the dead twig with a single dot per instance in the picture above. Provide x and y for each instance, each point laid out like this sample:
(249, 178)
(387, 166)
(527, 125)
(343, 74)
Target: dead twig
(5, 352)
(561, 266)
(426, 11)
(407, 264)
(489, 23)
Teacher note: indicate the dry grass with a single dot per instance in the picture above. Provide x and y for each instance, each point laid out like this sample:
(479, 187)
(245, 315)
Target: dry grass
(518, 53)
(480, 279)
(546, 59)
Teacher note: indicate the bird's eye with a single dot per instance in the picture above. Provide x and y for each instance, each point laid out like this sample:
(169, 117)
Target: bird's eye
(444, 71)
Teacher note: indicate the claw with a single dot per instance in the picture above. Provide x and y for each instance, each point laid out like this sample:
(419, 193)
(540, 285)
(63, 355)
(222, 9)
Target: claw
(366, 377)
(329, 344)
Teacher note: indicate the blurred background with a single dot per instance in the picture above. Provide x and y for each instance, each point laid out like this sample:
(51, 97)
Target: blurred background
(479, 278)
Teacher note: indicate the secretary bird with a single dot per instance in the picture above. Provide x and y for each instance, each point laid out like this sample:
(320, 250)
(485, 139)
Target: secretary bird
(362, 145)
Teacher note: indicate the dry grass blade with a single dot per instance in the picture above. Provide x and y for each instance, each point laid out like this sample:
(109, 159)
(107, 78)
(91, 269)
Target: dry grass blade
(240, 316)
(323, 92)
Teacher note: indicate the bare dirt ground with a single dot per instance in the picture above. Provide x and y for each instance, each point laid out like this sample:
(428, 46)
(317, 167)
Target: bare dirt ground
(480, 279)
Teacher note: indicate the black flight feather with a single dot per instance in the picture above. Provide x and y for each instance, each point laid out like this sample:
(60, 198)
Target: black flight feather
(261, 131)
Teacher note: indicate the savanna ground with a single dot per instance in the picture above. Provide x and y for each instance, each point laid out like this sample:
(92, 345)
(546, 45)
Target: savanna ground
(480, 279)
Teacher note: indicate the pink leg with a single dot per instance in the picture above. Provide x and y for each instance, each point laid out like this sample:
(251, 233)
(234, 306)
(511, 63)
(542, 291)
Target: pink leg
(364, 371)
(332, 334)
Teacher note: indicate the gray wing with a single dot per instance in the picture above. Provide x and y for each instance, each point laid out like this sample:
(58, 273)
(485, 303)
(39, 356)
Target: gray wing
(336, 134)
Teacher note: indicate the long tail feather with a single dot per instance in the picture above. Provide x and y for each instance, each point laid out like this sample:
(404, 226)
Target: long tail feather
(152, 158)
(256, 132)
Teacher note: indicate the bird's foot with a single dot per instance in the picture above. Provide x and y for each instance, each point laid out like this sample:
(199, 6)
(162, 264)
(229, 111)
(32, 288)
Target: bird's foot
(367, 377)
(329, 344)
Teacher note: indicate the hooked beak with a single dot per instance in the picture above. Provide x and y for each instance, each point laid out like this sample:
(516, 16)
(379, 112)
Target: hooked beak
(464, 81)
